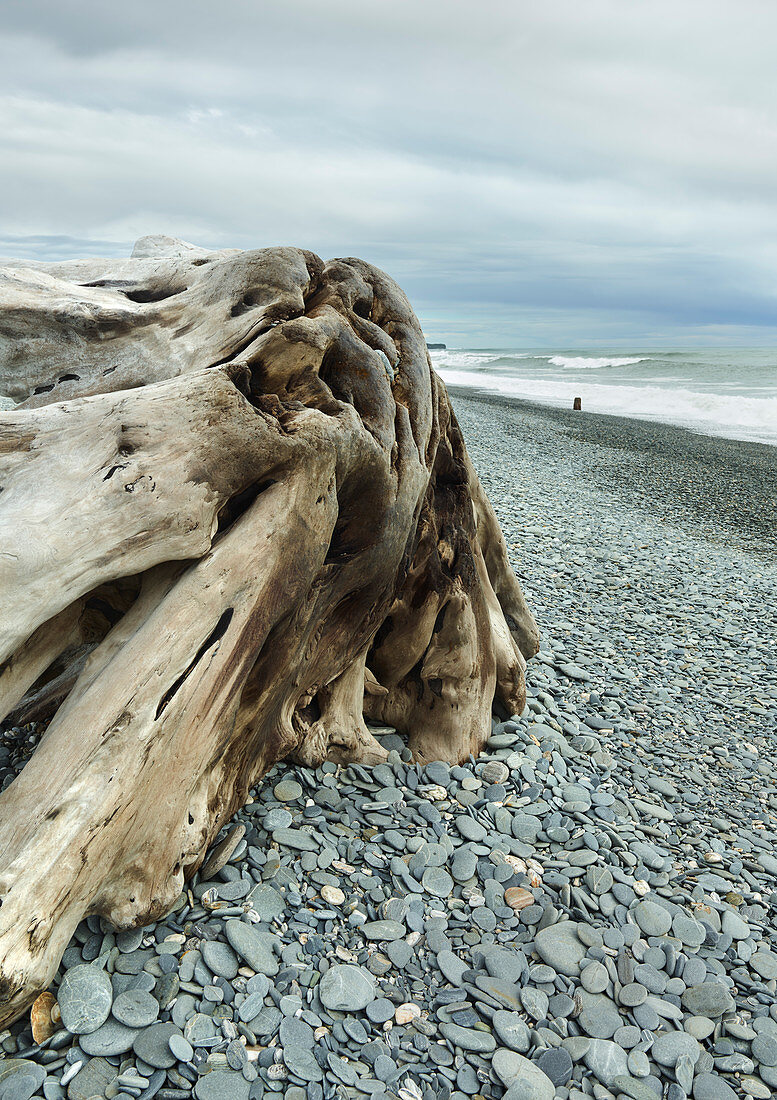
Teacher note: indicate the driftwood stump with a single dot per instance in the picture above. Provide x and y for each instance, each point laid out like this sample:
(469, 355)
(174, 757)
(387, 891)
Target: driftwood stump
(236, 516)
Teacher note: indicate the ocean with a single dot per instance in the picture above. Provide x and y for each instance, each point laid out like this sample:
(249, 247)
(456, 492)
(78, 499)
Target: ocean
(728, 392)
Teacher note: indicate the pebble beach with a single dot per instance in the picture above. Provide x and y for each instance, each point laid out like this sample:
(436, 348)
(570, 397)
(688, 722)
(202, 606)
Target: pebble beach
(588, 909)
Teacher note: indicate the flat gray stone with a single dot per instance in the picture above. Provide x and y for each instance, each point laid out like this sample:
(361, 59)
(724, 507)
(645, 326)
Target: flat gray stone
(764, 962)
(437, 882)
(222, 1084)
(220, 958)
(600, 1017)
(288, 790)
(469, 828)
(451, 966)
(153, 1045)
(255, 946)
(511, 1029)
(296, 838)
(710, 999)
(606, 1061)
(135, 1008)
(91, 1080)
(301, 1062)
(267, 902)
(112, 1038)
(709, 1086)
(653, 919)
(478, 1042)
(347, 988)
(20, 1078)
(526, 1081)
(669, 1046)
(558, 946)
(180, 1047)
(383, 930)
(84, 996)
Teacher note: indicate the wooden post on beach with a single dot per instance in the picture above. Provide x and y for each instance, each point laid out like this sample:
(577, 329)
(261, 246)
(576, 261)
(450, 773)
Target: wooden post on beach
(577, 405)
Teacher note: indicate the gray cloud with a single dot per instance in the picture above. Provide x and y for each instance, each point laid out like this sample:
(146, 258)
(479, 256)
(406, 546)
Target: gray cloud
(531, 174)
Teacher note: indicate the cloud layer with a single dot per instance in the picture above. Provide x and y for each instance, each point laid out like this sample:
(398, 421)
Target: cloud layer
(559, 174)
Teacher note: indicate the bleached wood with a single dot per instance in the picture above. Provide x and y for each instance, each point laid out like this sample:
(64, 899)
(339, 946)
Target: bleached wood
(234, 496)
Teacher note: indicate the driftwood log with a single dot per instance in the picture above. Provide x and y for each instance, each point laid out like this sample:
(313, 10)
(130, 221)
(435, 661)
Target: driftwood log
(237, 517)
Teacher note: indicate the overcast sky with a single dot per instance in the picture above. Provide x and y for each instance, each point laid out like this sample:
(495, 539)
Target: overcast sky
(532, 173)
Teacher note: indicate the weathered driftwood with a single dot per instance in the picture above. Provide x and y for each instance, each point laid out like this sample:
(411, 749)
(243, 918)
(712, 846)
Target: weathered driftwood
(237, 515)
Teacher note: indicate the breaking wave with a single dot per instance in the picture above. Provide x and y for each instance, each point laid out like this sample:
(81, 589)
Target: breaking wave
(732, 415)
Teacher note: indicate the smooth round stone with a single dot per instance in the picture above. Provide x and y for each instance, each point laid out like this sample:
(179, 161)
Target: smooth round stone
(199, 1027)
(494, 771)
(527, 1081)
(251, 1006)
(355, 1030)
(180, 1047)
(627, 1036)
(699, 1026)
(112, 1038)
(764, 962)
(277, 818)
(507, 1065)
(606, 1061)
(670, 1046)
(346, 988)
(453, 969)
(710, 999)
(512, 1030)
(600, 1017)
(20, 1078)
(129, 941)
(733, 925)
(84, 996)
(438, 772)
(470, 829)
(709, 1086)
(694, 970)
(301, 1062)
(384, 1067)
(332, 895)
(380, 1010)
(220, 958)
(464, 865)
(557, 1064)
(288, 790)
(478, 1042)
(652, 918)
(632, 994)
(255, 947)
(599, 880)
(135, 1008)
(437, 882)
(689, 931)
(755, 1087)
(383, 930)
(484, 918)
(595, 978)
(294, 1032)
(153, 1045)
(222, 1084)
(639, 1063)
(399, 952)
(764, 1050)
(268, 903)
(558, 946)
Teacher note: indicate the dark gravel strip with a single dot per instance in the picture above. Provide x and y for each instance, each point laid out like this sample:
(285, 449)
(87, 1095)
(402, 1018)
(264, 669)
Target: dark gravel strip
(725, 487)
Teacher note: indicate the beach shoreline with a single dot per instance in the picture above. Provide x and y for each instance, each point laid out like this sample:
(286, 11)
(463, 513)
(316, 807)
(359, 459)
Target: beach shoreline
(724, 489)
